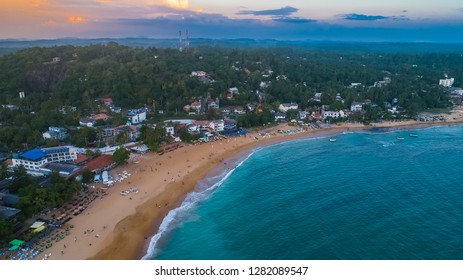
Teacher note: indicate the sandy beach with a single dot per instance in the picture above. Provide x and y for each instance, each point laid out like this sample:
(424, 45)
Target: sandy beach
(119, 227)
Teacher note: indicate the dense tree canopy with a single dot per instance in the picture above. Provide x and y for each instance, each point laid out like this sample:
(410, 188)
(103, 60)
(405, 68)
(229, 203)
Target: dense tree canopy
(160, 78)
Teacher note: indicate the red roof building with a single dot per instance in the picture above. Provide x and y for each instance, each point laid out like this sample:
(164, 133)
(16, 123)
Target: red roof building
(101, 163)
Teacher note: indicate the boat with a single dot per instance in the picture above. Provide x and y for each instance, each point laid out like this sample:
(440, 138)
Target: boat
(332, 139)
(413, 135)
(400, 138)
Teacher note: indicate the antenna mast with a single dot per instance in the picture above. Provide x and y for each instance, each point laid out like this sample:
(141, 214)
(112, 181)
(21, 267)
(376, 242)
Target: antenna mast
(187, 43)
(180, 47)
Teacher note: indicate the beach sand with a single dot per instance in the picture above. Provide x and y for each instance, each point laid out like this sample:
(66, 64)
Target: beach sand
(119, 227)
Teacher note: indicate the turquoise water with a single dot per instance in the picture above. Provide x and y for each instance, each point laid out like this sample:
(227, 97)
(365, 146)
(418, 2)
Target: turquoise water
(365, 196)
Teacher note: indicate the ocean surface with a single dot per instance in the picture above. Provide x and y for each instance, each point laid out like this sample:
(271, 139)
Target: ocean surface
(368, 195)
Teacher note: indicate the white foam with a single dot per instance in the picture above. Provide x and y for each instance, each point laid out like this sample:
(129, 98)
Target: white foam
(176, 216)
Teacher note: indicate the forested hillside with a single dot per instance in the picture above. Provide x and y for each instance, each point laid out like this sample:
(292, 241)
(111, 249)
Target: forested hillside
(54, 77)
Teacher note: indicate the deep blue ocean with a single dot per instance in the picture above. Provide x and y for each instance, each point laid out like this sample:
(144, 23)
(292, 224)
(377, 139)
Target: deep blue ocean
(366, 196)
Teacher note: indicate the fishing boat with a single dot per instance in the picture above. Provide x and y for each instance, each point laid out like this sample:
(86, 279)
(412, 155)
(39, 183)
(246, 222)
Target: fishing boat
(413, 135)
(332, 139)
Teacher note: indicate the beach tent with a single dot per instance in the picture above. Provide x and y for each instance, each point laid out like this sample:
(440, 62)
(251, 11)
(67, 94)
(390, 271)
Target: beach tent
(39, 229)
(37, 225)
(15, 244)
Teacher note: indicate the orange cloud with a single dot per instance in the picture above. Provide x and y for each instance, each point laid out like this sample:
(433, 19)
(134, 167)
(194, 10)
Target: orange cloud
(76, 19)
(50, 22)
(199, 10)
(104, 1)
(177, 4)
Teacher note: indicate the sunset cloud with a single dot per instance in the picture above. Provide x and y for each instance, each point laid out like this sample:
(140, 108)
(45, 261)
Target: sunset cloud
(50, 22)
(76, 19)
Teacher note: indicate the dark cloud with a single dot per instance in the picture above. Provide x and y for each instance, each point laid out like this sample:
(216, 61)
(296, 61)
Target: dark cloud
(460, 9)
(205, 25)
(294, 20)
(362, 17)
(285, 11)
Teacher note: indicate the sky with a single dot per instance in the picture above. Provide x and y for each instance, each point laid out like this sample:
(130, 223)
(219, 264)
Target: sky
(337, 20)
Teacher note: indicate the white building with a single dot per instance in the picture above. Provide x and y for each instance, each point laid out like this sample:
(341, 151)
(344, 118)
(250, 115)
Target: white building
(356, 107)
(136, 116)
(34, 159)
(333, 114)
(284, 107)
(170, 130)
(57, 133)
(446, 82)
(198, 74)
(218, 125)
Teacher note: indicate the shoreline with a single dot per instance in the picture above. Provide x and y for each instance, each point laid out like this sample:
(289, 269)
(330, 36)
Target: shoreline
(129, 232)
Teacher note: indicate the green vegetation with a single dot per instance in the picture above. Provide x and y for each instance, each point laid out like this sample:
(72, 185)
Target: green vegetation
(35, 198)
(160, 79)
(121, 156)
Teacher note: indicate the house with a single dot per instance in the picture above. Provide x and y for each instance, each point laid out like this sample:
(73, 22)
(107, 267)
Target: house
(203, 124)
(281, 77)
(317, 97)
(199, 74)
(186, 108)
(219, 125)
(356, 107)
(108, 130)
(136, 116)
(88, 122)
(100, 164)
(226, 111)
(196, 106)
(353, 85)
(9, 213)
(100, 117)
(230, 124)
(284, 107)
(239, 110)
(280, 117)
(213, 104)
(58, 133)
(170, 130)
(264, 85)
(333, 114)
(251, 106)
(315, 117)
(302, 115)
(232, 92)
(446, 82)
(108, 101)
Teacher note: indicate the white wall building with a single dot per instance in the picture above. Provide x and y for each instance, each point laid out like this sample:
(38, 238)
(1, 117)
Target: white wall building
(446, 82)
(34, 159)
(137, 116)
(356, 107)
(284, 107)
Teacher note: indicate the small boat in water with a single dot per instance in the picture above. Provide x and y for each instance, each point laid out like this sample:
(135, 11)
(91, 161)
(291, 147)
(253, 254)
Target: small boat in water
(400, 138)
(332, 139)
(413, 135)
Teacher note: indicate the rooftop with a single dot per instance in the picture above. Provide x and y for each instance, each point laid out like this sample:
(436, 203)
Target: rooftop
(8, 212)
(34, 154)
(99, 163)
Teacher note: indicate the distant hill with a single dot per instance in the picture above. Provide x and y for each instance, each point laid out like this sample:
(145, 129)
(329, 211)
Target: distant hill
(11, 45)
